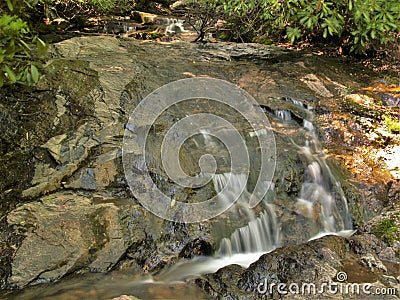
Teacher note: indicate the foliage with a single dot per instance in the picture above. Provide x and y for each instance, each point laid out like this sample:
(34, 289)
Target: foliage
(202, 15)
(248, 19)
(21, 48)
(392, 124)
(373, 22)
(18, 7)
(359, 25)
(388, 230)
(17, 44)
(77, 11)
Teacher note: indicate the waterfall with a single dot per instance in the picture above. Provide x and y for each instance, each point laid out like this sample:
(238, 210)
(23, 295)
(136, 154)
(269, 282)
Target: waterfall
(206, 136)
(320, 194)
(321, 191)
(261, 234)
(227, 186)
(246, 243)
(298, 103)
(321, 199)
(283, 114)
(308, 125)
(295, 102)
(174, 26)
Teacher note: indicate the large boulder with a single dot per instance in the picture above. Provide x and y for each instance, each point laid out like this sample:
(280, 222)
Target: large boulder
(64, 233)
(326, 268)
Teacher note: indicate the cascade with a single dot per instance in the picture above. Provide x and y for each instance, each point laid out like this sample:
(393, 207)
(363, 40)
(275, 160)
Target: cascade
(174, 26)
(246, 243)
(321, 199)
(283, 114)
(321, 191)
(261, 234)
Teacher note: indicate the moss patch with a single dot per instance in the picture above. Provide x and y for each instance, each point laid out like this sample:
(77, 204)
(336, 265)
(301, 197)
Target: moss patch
(388, 229)
(392, 125)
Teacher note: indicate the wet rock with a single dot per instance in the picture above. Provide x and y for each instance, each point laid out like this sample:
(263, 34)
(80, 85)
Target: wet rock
(233, 51)
(317, 261)
(64, 233)
(315, 84)
(9, 242)
(373, 264)
(68, 153)
(289, 172)
(383, 234)
(314, 262)
(223, 283)
(197, 247)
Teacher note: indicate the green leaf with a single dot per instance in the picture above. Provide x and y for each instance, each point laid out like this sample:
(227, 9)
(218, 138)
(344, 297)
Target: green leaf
(24, 44)
(325, 34)
(1, 79)
(29, 78)
(34, 73)
(293, 33)
(309, 23)
(303, 19)
(42, 47)
(10, 73)
(10, 6)
(41, 42)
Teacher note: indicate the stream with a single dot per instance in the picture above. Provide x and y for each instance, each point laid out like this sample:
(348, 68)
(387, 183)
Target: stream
(321, 201)
(76, 227)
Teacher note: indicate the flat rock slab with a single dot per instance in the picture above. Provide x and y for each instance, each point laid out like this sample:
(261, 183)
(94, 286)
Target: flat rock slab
(65, 232)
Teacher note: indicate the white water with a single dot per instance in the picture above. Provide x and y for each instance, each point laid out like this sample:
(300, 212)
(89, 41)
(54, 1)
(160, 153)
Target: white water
(174, 26)
(245, 245)
(283, 114)
(259, 236)
(321, 190)
(308, 125)
(320, 193)
(198, 266)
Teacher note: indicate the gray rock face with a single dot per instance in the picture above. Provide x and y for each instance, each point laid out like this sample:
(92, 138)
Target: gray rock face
(315, 262)
(303, 272)
(64, 233)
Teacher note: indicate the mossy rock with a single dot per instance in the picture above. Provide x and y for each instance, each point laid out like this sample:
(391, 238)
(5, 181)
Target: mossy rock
(388, 229)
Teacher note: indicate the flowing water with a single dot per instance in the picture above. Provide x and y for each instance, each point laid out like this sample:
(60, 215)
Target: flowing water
(283, 114)
(174, 26)
(321, 201)
(167, 25)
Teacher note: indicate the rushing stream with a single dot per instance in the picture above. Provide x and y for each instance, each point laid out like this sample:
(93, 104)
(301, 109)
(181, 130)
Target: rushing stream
(320, 201)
